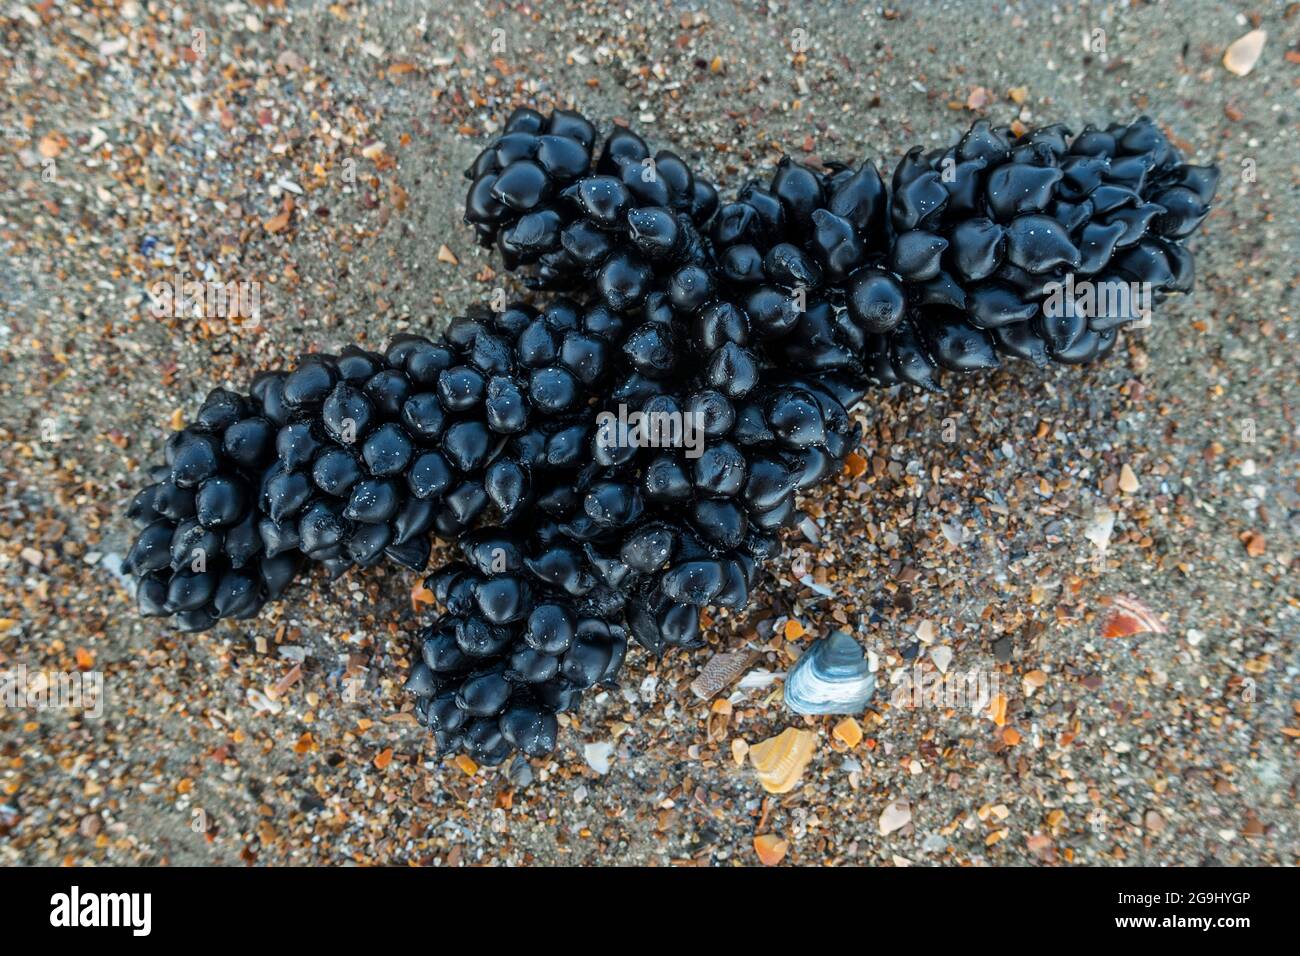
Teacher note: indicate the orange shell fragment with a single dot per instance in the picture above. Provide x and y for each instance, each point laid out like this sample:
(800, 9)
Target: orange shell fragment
(1129, 616)
(771, 849)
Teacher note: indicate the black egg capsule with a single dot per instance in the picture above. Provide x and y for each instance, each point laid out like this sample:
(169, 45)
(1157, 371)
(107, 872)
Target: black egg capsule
(690, 287)
(1039, 244)
(481, 203)
(836, 245)
(506, 483)
(722, 523)
(917, 255)
(800, 192)
(552, 390)
(654, 231)
(387, 390)
(441, 653)
(503, 599)
(347, 415)
(586, 661)
(461, 388)
(423, 417)
(957, 345)
(242, 541)
(564, 159)
(733, 370)
(909, 359)
(648, 549)
(567, 446)
(296, 444)
(463, 504)
(652, 349)
(421, 683)
(993, 304)
(151, 550)
(530, 729)
(532, 667)
(586, 244)
(521, 185)
(285, 493)
(562, 567)
(602, 199)
(249, 443)
(237, 595)
(796, 419)
(613, 505)
(916, 198)
(477, 638)
(693, 582)
(550, 629)
(1019, 340)
(977, 248)
(720, 470)
(197, 459)
(278, 538)
(151, 596)
(173, 502)
(429, 475)
(767, 482)
(1016, 188)
(787, 265)
(443, 714)
(483, 741)
(190, 545)
(141, 510)
(585, 356)
(505, 407)
(623, 281)
(195, 620)
(308, 385)
(712, 412)
(742, 265)
(189, 590)
(355, 364)
(621, 146)
(221, 409)
(320, 529)
(875, 300)
(372, 501)
(483, 694)
(220, 502)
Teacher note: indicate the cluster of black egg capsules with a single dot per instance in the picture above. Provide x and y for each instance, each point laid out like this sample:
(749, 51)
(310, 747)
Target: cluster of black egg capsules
(612, 463)
(351, 458)
(1038, 247)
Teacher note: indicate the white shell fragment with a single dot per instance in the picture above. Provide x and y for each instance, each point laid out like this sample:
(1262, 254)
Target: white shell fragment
(1243, 53)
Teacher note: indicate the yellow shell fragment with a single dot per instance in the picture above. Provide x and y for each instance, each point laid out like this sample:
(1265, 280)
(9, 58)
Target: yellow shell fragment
(780, 761)
(1243, 53)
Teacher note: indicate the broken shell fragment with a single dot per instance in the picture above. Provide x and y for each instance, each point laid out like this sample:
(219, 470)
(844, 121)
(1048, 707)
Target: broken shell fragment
(830, 678)
(1243, 53)
(849, 732)
(1128, 617)
(771, 849)
(894, 817)
(780, 761)
(720, 671)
